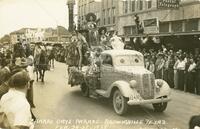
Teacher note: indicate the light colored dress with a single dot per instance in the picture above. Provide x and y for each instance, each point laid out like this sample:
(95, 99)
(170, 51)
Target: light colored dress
(116, 42)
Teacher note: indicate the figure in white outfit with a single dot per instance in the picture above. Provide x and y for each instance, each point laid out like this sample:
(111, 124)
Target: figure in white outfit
(116, 42)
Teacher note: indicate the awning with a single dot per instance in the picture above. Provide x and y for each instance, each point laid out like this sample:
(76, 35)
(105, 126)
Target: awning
(163, 34)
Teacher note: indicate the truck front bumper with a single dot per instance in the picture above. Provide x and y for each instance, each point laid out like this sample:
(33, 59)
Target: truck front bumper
(149, 101)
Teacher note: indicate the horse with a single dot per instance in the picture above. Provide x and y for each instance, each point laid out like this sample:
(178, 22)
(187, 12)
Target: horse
(41, 63)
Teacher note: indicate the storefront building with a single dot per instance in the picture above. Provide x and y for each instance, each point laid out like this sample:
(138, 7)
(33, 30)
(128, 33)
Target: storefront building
(179, 25)
(105, 10)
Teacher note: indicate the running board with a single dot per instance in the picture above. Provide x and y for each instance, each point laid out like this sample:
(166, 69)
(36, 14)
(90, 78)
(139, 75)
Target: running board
(102, 93)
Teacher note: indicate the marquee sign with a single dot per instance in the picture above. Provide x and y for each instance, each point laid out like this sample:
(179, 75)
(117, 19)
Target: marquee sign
(168, 4)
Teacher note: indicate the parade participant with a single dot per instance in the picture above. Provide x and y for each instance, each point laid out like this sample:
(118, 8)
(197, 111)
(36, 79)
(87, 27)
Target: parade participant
(159, 65)
(116, 42)
(73, 58)
(197, 76)
(92, 28)
(5, 74)
(93, 73)
(181, 70)
(170, 76)
(37, 52)
(103, 39)
(176, 72)
(14, 107)
(19, 51)
(151, 66)
(190, 85)
(30, 70)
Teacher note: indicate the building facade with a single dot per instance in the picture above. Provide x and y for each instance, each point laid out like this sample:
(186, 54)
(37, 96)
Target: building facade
(179, 26)
(105, 10)
(186, 18)
(183, 22)
(27, 35)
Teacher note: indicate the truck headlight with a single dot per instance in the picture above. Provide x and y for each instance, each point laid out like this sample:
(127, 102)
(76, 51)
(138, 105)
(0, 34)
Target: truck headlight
(133, 84)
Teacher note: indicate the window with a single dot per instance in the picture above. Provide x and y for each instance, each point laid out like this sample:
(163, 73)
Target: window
(177, 26)
(107, 60)
(104, 15)
(191, 25)
(127, 30)
(164, 26)
(141, 5)
(108, 16)
(113, 15)
(133, 5)
(125, 6)
(149, 4)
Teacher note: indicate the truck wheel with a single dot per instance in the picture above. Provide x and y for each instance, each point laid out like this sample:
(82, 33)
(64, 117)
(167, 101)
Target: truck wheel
(160, 107)
(85, 90)
(120, 103)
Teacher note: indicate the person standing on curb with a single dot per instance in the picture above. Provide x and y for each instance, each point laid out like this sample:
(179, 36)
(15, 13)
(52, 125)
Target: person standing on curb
(14, 107)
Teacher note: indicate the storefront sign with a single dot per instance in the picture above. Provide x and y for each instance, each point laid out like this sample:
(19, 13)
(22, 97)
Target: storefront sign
(151, 26)
(168, 4)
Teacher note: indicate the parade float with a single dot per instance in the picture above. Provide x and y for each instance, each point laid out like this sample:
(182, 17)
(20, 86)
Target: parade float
(120, 75)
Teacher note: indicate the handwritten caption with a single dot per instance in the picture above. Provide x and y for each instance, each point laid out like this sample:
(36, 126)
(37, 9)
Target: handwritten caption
(98, 124)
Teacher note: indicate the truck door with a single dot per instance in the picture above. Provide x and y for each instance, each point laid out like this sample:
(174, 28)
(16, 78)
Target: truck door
(106, 71)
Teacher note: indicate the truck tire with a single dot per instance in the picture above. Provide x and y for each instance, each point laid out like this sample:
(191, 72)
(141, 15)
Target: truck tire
(160, 107)
(120, 103)
(85, 90)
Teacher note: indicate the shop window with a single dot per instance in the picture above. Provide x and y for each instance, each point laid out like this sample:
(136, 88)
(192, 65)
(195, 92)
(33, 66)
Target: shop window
(177, 26)
(191, 25)
(133, 30)
(164, 27)
(127, 30)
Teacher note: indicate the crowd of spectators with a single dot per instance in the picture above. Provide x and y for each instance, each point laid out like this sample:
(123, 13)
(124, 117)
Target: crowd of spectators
(180, 69)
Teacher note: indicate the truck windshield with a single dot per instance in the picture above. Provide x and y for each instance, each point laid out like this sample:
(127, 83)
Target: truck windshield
(129, 60)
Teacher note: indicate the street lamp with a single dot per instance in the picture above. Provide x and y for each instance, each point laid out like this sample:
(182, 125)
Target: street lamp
(71, 4)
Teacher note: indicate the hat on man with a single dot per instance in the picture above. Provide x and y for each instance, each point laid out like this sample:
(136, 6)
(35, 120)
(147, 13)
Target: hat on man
(20, 79)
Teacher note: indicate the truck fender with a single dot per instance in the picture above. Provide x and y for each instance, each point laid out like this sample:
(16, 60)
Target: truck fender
(124, 88)
(164, 90)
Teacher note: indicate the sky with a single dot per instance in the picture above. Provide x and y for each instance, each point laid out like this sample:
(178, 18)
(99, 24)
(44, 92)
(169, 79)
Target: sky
(17, 14)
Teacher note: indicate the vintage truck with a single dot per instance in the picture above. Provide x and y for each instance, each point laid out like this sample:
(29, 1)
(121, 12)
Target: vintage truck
(124, 79)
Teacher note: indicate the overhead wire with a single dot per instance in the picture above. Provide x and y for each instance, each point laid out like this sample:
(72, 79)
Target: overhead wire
(46, 11)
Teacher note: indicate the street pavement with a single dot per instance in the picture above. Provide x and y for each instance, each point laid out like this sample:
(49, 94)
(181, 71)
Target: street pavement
(59, 106)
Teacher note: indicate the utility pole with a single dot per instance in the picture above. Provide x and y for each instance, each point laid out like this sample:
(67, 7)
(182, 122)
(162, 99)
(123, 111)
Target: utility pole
(71, 4)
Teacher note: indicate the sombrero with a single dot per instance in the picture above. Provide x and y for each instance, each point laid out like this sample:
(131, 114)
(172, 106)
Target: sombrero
(89, 15)
(101, 29)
